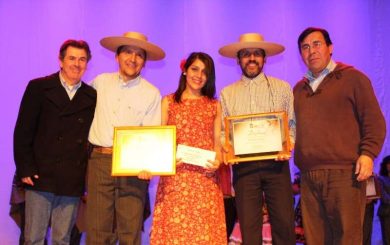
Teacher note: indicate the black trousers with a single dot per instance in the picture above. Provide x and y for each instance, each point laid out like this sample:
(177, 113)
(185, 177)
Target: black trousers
(367, 224)
(250, 181)
(230, 214)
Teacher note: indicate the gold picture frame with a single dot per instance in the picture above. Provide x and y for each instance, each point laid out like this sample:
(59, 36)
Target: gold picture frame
(151, 148)
(257, 136)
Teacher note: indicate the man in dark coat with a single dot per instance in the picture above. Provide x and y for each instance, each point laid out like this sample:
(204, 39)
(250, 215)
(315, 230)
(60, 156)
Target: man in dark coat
(50, 145)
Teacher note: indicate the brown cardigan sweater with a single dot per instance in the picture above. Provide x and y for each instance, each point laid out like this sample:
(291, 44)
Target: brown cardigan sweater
(338, 122)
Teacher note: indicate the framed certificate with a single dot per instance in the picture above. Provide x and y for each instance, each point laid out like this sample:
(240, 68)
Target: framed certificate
(257, 136)
(151, 148)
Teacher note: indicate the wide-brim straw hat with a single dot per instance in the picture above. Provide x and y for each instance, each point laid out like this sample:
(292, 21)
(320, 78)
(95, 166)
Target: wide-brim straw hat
(251, 40)
(153, 52)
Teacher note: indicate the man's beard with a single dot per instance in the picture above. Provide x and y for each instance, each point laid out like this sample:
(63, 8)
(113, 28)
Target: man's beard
(251, 74)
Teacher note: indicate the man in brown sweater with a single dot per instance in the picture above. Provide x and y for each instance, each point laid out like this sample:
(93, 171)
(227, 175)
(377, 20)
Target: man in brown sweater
(340, 131)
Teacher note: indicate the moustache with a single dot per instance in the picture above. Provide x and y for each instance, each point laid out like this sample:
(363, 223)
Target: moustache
(252, 62)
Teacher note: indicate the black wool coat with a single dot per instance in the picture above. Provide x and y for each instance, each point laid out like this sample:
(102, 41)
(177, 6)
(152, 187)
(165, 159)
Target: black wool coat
(51, 136)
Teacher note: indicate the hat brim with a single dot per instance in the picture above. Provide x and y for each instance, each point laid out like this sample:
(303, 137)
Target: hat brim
(153, 52)
(270, 49)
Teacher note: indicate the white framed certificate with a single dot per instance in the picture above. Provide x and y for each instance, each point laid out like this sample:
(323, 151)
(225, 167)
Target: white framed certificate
(257, 136)
(193, 155)
(150, 148)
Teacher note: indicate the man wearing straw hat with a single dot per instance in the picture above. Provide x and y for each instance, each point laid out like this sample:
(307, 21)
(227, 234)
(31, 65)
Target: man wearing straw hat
(256, 92)
(115, 204)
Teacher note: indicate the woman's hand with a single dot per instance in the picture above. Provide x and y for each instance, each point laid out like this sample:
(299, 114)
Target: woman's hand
(212, 165)
(225, 152)
(178, 162)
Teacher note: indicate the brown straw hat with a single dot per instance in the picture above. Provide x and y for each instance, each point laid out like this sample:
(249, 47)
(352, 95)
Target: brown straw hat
(153, 52)
(251, 40)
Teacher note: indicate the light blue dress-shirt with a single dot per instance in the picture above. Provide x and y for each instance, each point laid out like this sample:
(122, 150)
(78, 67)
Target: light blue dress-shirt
(122, 103)
(70, 90)
(315, 81)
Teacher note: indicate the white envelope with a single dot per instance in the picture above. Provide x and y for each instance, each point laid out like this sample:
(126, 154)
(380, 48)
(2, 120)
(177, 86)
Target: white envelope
(193, 155)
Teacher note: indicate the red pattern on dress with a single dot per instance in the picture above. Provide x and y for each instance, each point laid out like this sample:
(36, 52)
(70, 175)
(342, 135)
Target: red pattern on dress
(189, 205)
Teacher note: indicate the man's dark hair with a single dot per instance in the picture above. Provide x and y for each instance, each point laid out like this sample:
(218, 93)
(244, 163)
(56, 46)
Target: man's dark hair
(208, 89)
(310, 30)
(81, 44)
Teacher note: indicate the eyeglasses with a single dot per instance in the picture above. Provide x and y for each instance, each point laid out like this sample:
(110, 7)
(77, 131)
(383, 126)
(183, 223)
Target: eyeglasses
(247, 53)
(315, 45)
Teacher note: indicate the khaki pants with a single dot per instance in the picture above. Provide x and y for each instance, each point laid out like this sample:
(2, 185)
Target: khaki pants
(115, 205)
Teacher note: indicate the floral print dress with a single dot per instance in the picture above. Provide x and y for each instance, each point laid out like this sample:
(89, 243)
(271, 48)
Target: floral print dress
(189, 205)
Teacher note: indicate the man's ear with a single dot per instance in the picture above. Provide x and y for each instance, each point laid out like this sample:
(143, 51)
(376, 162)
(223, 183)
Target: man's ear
(331, 49)
(60, 62)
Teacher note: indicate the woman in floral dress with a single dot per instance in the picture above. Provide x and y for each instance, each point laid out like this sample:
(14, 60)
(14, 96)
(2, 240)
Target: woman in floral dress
(189, 205)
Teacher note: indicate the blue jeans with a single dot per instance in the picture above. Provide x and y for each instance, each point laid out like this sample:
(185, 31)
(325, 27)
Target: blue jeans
(42, 207)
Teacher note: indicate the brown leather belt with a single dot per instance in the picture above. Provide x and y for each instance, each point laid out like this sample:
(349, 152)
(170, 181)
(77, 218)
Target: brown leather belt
(102, 150)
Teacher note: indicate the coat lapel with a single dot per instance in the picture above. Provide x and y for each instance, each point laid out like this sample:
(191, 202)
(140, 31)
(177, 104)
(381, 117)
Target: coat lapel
(56, 92)
(83, 99)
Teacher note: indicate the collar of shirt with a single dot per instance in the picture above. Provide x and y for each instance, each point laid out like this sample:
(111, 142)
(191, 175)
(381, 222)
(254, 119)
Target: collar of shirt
(128, 83)
(256, 80)
(329, 68)
(69, 88)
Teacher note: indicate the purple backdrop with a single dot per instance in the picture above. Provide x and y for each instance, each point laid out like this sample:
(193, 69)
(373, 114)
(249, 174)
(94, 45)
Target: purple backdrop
(32, 31)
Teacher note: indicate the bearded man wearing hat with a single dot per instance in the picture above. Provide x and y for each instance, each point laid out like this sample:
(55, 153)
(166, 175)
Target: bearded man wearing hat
(256, 92)
(125, 98)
